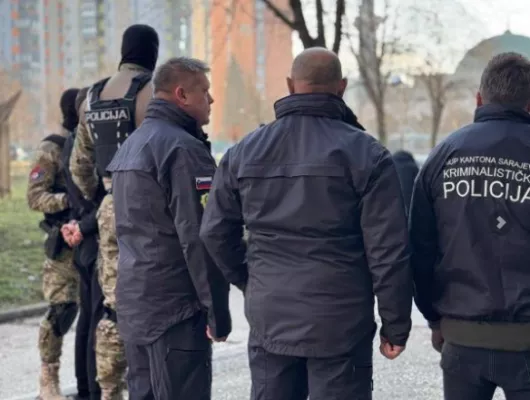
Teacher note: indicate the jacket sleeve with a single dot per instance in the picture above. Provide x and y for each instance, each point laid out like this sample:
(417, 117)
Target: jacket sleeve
(40, 194)
(82, 160)
(222, 226)
(186, 208)
(89, 224)
(385, 234)
(424, 244)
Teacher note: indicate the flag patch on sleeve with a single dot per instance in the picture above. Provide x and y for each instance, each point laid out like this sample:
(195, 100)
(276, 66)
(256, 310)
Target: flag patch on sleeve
(203, 183)
(36, 173)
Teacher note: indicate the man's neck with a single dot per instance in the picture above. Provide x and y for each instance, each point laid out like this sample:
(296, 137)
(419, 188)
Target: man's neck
(132, 67)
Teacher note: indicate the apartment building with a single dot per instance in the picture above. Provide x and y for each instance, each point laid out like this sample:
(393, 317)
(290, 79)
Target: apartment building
(251, 53)
(171, 19)
(54, 44)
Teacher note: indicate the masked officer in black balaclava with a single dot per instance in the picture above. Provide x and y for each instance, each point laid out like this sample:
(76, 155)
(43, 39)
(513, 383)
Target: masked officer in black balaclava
(114, 108)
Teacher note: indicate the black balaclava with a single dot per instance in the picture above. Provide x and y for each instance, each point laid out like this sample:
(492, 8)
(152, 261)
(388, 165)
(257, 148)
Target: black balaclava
(140, 46)
(70, 118)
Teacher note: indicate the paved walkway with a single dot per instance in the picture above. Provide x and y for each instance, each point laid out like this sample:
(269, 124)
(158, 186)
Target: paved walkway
(415, 375)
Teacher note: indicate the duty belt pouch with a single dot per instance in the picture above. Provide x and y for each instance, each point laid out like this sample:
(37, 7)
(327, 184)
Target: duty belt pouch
(54, 243)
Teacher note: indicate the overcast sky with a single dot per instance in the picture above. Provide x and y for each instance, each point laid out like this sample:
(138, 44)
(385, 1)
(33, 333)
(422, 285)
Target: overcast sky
(498, 14)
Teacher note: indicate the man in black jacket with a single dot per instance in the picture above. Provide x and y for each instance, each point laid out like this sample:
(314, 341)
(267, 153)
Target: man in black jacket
(81, 235)
(470, 235)
(169, 293)
(327, 229)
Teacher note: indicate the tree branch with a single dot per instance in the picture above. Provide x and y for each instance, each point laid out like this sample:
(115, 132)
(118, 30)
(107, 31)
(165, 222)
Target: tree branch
(339, 13)
(300, 24)
(280, 14)
(321, 34)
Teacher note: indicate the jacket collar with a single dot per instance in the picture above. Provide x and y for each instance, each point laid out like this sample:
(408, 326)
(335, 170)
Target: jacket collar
(490, 112)
(164, 110)
(324, 105)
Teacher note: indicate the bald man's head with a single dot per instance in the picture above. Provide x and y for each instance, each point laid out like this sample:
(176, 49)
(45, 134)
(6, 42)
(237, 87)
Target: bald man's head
(317, 70)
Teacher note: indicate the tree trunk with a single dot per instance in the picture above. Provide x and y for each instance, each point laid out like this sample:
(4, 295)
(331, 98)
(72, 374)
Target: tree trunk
(298, 23)
(5, 160)
(437, 112)
(381, 123)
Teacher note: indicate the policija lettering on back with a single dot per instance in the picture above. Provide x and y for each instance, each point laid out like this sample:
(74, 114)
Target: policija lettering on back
(483, 177)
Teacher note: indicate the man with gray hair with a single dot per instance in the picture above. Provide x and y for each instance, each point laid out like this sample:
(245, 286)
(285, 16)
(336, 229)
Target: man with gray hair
(470, 236)
(171, 299)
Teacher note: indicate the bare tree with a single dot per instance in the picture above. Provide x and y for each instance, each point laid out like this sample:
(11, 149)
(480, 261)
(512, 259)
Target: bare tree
(370, 51)
(440, 48)
(438, 86)
(374, 43)
(295, 19)
(8, 100)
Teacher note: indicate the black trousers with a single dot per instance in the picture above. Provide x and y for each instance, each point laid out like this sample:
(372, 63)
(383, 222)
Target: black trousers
(474, 374)
(90, 312)
(279, 377)
(178, 365)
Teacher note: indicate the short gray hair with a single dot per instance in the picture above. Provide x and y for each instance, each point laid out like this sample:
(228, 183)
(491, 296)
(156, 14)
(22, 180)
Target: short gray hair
(506, 80)
(176, 70)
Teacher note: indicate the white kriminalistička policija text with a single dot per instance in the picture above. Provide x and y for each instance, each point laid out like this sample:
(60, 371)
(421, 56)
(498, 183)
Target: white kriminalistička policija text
(487, 177)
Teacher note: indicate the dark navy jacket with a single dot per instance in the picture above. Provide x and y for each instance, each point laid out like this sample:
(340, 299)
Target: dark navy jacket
(327, 229)
(160, 175)
(470, 222)
(407, 170)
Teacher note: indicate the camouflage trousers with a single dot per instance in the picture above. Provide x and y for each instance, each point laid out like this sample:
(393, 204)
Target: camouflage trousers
(60, 284)
(110, 360)
(108, 251)
(110, 353)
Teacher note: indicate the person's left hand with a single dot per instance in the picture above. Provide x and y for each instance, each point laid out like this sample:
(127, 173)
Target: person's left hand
(212, 337)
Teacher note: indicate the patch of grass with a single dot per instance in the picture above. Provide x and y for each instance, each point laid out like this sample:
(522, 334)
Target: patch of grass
(21, 249)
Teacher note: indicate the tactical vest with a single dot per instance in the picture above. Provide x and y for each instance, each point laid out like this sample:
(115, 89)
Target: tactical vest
(61, 216)
(111, 121)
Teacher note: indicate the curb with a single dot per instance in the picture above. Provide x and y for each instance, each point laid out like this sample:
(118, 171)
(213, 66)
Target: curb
(33, 310)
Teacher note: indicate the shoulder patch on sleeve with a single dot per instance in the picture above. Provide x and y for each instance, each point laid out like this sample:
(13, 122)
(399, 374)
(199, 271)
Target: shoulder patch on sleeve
(36, 174)
(203, 182)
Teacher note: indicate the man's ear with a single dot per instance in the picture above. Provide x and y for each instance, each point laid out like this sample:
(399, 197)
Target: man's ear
(180, 94)
(480, 103)
(342, 86)
(290, 85)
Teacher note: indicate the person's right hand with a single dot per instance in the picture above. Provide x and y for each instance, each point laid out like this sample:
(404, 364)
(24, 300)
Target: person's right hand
(389, 350)
(212, 337)
(437, 340)
(77, 236)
